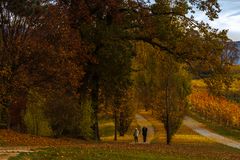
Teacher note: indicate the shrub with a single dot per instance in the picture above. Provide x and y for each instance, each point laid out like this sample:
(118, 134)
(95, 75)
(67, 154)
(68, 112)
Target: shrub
(68, 117)
(34, 118)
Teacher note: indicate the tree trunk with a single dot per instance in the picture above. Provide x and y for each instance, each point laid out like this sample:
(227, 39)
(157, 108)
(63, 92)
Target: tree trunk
(168, 127)
(8, 119)
(95, 91)
(168, 130)
(121, 124)
(115, 125)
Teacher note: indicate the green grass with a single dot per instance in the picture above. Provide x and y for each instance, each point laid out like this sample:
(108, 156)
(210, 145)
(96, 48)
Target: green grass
(106, 127)
(90, 154)
(235, 70)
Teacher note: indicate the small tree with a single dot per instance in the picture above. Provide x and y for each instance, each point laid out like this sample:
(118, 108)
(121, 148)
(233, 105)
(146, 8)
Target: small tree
(172, 103)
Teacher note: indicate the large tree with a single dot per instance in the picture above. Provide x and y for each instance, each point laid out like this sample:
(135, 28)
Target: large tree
(100, 24)
(38, 49)
(17, 17)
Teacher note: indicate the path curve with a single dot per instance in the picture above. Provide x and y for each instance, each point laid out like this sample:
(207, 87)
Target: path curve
(141, 121)
(199, 128)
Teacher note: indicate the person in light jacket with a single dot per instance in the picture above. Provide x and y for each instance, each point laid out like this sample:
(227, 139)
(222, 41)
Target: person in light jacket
(135, 135)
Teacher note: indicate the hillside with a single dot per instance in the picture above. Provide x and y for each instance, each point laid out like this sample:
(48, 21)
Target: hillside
(238, 45)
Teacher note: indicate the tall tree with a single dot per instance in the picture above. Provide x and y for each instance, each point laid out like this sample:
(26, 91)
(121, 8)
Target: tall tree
(38, 49)
(170, 87)
(100, 25)
(174, 87)
(17, 17)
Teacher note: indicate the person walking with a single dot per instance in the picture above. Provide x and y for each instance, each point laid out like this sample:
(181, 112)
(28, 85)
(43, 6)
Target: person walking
(135, 135)
(144, 134)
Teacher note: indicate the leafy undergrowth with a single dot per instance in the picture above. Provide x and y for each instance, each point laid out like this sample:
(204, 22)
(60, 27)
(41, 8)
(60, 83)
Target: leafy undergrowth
(12, 138)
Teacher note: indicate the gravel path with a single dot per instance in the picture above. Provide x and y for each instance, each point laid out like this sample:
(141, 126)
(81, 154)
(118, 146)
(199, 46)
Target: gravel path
(141, 121)
(199, 128)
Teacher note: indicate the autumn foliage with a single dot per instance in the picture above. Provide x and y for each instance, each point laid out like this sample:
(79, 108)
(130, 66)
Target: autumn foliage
(216, 109)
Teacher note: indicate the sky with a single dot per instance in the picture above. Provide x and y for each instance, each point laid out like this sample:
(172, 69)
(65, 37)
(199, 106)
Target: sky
(229, 18)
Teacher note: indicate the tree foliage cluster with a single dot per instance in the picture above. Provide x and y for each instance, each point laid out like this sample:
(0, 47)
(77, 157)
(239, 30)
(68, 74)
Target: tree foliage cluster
(62, 61)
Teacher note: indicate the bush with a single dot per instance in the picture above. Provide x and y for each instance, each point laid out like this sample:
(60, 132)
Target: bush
(68, 117)
(34, 118)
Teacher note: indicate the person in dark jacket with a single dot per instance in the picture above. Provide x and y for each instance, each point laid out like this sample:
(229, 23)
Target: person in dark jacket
(144, 133)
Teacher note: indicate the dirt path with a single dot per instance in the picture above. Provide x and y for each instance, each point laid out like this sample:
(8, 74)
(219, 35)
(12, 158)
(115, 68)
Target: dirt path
(200, 129)
(141, 121)
(7, 152)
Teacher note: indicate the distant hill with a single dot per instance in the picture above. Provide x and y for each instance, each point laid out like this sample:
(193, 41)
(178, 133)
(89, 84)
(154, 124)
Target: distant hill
(238, 45)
